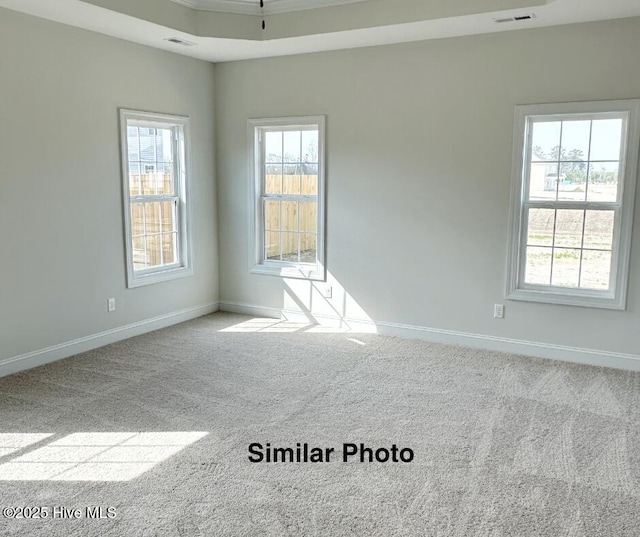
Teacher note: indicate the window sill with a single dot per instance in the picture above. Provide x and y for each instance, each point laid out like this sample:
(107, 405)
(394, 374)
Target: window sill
(159, 276)
(301, 272)
(587, 299)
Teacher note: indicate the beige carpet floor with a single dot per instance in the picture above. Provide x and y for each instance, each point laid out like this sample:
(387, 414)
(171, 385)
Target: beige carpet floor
(152, 434)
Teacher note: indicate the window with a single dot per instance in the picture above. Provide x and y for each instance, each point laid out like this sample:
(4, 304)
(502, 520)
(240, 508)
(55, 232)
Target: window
(573, 188)
(288, 197)
(154, 177)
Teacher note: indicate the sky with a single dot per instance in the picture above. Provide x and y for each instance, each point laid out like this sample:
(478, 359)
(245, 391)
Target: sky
(604, 135)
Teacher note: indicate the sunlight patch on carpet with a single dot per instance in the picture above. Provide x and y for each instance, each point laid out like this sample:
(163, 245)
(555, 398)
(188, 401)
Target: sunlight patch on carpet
(12, 442)
(110, 456)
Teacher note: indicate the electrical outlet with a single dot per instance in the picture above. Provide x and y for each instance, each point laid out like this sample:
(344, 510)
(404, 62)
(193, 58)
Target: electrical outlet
(111, 304)
(498, 311)
(328, 291)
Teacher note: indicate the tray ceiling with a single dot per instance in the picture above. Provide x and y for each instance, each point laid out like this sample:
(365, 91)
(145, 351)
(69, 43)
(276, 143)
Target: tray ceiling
(175, 26)
(252, 7)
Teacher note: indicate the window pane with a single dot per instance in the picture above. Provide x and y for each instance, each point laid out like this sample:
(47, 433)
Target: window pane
(169, 244)
(290, 247)
(154, 230)
(133, 144)
(150, 180)
(543, 180)
(538, 267)
(289, 216)
(572, 183)
(137, 219)
(545, 140)
(272, 215)
(603, 181)
(566, 267)
(575, 140)
(291, 169)
(273, 146)
(147, 146)
(139, 254)
(272, 245)
(291, 184)
(164, 146)
(145, 183)
(150, 146)
(273, 179)
(308, 216)
(292, 141)
(596, 270)
(598, 230)
(154, 248)
(157, 180)
(168, 216)
(309, 183)
(308, 247)
(569, 228)
(540, 228)
(310, 146)
(135, 186)
(605, 139)
(165, 180)
(153, 221)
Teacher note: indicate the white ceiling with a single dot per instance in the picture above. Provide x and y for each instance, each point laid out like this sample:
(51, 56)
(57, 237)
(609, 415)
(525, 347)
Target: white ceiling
(146, 30)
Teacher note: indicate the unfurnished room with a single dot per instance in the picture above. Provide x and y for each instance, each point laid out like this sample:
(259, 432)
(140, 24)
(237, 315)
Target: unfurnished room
(320, 268)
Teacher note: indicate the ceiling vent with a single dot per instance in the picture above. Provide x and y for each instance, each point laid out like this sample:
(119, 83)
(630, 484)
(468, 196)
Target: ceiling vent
(178, 41)
(516, 18)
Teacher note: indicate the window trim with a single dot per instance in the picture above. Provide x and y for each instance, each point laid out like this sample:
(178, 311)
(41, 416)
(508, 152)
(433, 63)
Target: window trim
(615, 297)
(285, 269)
(182, 167)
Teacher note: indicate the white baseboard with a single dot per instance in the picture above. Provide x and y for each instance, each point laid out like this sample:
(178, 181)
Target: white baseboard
(595, 357)
(84, 344)
(250, 309)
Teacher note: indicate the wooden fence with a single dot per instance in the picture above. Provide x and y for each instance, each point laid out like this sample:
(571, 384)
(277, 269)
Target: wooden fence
(152, 223)
(291, 225)
(146, 183)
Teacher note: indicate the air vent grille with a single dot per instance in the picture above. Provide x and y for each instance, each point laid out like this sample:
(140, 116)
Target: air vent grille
(178, 41)
(516, 18)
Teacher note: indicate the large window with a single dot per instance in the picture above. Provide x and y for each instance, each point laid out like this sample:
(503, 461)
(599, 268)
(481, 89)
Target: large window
(154, 149)
(575, 170)
(288, 197)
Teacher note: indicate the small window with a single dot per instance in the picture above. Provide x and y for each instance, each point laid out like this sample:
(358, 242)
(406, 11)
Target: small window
(154, 150)
(573, 188)
(288, 197)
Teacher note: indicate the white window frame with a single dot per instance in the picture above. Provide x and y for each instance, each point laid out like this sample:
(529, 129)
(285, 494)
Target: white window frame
(181, 172)
(615, 296)
(257, 263)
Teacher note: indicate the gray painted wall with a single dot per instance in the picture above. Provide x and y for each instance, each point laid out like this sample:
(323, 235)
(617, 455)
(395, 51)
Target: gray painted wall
(60, 180)
(419, 165)
(419, 157)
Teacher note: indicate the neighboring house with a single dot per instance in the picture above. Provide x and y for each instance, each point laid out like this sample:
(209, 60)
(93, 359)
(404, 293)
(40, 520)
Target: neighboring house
(148, 151)
(544, 174)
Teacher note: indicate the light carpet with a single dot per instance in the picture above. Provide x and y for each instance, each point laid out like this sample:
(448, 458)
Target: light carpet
(155, 432)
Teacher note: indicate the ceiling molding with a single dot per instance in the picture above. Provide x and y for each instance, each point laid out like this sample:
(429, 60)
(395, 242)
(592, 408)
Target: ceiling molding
(239, 7)
(251, 7)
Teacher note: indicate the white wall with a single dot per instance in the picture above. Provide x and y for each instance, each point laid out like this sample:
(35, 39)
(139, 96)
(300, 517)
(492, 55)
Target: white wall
(419, 162)
(62, 245)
